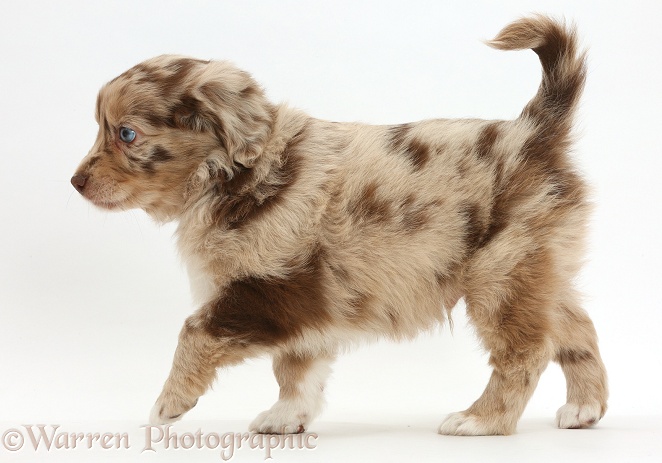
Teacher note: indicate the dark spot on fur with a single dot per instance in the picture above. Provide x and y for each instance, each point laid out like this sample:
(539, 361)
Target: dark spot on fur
(476, 229)
(486, 140)
(240, 182)
(160, 154)
(156, 120)
(368, 207)
(106, 126)
(248, 207)
(399, 135)
(250, 91)
(145, 71)
(509, 193)
(146, 166)
(572, 357)
(498, 220)
(178, 73)
(267, 311)
(97, 108)
(419, 153)
(93, 161)
(414, 149)
(243, 201)
(188, 113)
(440, 278)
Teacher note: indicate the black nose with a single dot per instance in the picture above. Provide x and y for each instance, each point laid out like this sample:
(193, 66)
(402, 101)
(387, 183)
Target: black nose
(78, 181)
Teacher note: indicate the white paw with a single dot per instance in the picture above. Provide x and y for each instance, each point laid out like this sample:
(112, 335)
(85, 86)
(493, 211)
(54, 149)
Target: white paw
(285, 417)
(574, 416)
(463, 424)
(167, 412)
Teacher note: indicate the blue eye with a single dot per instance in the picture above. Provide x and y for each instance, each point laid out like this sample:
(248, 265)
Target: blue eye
(127, 135)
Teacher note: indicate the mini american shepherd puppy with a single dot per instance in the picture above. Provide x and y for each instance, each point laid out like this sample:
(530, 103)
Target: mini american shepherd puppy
(303, 236)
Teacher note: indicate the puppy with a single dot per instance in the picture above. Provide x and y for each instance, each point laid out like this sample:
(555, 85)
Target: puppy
(302, 236)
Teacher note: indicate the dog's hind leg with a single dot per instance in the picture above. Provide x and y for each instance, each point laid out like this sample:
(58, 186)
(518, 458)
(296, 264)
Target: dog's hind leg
(301, 380)
(512, 317)
(577, 353)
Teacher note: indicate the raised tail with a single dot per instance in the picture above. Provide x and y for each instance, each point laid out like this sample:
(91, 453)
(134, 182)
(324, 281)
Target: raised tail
(564, 69)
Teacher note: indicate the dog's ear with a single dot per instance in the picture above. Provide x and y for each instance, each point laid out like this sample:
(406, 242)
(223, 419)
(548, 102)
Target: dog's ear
(229, 103)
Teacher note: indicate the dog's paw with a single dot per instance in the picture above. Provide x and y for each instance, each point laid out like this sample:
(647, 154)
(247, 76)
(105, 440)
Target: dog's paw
(462, 424)
(283, 418)
(167, 411)
(466, 424)
(574, 416)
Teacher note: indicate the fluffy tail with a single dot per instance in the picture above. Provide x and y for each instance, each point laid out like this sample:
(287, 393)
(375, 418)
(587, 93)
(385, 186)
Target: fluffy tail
(564, 70)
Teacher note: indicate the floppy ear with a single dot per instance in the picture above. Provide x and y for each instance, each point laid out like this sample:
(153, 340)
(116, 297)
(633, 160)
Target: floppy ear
(228, 102)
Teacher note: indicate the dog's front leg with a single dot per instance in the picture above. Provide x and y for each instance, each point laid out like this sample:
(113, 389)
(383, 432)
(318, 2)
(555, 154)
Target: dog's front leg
(197, 357)
(301, 379)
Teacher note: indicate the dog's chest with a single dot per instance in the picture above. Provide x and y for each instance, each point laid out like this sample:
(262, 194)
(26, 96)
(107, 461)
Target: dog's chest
(203, 287)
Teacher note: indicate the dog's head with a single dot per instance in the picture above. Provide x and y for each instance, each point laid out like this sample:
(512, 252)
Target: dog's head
(165, 126)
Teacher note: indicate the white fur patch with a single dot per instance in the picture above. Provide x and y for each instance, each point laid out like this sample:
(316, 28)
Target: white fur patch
(573, 416)
(202, 285)
(155, 418)
(292, 415)
(285, 417)
(462, 424)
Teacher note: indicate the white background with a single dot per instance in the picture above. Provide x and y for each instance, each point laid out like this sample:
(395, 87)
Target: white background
(91, 302)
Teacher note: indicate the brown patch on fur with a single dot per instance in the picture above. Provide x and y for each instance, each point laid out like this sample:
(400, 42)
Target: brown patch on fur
(572, 357)
(187, 113)
(498, 219)
(242, 201)
(160, 154)
(268, 311)
(417, 151)
(399, 136)
(476, 228)
(486, 140)
(93, 161)
(369, 208)
(179, 72)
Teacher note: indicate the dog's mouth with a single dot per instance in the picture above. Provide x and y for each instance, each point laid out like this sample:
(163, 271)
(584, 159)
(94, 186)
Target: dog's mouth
(104, 196)
(110, 202)
(107, 205)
